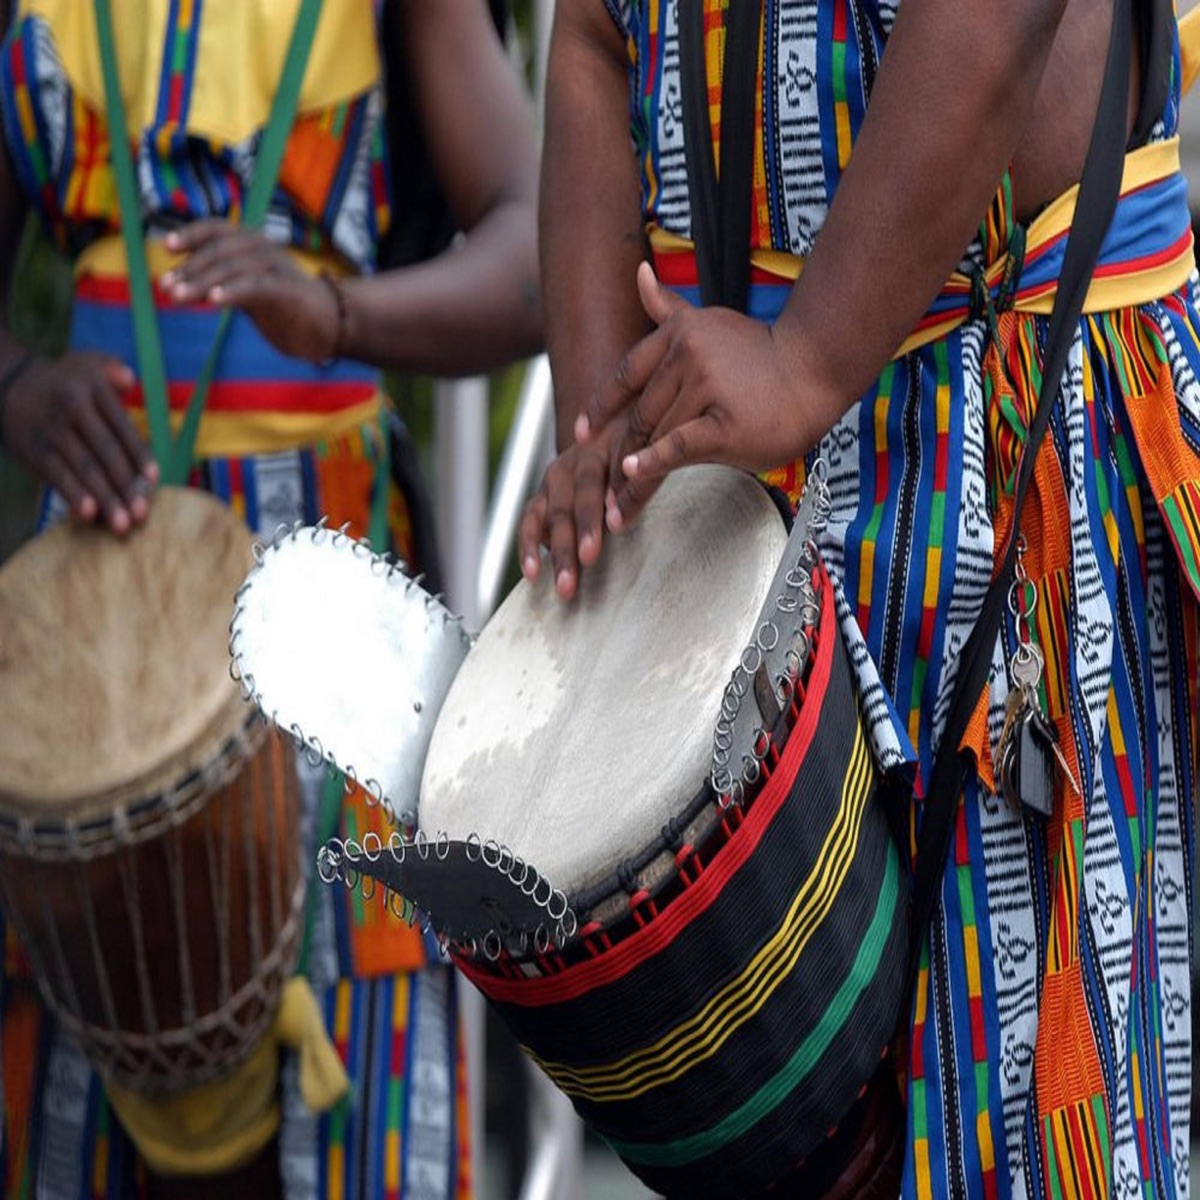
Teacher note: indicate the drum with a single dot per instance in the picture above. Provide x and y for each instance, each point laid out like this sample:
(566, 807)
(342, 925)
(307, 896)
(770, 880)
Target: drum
(648, 831)
(149, 861)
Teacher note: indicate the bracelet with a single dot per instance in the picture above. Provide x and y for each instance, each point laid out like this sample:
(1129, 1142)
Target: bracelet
(339, 298)
(10, 376)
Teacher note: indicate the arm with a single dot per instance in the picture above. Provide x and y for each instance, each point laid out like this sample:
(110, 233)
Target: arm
(592, 242)
(469, 309)
(64, 419)
(709, 385)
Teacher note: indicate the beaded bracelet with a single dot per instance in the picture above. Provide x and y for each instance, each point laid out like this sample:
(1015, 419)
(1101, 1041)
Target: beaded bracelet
(339, 298)
(10, 376)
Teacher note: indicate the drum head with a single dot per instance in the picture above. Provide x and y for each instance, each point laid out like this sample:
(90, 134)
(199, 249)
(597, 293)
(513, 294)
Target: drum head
(114, 671)
(572, 732)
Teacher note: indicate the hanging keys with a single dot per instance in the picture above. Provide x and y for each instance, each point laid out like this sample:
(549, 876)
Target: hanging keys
(1028, 750)
(1025, 758)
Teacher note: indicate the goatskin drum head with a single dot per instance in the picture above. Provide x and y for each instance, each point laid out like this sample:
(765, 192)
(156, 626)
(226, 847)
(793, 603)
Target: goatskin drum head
(573, 731)
(114, 674)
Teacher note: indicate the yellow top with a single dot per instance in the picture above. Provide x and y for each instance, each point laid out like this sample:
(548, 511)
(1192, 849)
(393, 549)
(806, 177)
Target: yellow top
(246, 39)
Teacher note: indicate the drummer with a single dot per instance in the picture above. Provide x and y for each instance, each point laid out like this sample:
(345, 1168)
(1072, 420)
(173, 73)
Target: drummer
(1048, 1045)
(292, 429)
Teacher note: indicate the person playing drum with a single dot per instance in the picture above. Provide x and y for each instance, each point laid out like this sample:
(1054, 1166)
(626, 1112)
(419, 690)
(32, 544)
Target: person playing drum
(291, 429)
(1047, 1046)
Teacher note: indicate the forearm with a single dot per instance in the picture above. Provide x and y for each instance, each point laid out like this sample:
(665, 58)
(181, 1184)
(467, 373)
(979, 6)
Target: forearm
(954, 92)
(471, 309)
(592, 236)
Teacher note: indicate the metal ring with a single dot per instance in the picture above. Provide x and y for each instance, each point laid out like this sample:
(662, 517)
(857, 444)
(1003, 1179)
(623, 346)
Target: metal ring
(474, 850)
(441, 847)
(552, 905)
(491, 847)
(493, 947)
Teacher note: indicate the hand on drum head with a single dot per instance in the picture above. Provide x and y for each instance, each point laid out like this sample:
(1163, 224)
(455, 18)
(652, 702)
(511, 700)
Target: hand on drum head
(65, 421)
(708, 385)
(566, 514)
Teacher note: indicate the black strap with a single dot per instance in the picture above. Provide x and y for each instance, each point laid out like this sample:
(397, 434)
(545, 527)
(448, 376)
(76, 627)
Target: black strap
(1097, 201)
(721, 209)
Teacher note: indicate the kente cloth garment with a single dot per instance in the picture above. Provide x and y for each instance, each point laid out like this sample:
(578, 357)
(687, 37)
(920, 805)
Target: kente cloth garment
(281, 441)
(1049, 1047)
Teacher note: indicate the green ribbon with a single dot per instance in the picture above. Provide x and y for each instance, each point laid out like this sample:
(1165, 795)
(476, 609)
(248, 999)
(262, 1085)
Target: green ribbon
(175, 455)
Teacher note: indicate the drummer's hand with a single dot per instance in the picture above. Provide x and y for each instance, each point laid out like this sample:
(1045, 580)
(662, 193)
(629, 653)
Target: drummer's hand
(566, 513)
(708, 385)
(227, 265)
(65, 421)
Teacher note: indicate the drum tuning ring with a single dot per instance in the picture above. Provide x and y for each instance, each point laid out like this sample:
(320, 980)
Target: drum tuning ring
(324, 869)
(557, 901)
(421, 842)
(751, 659)
(541, 939)
(491, 848)
(492, 946)
(549, 891)
(441, 847)
(474, 848)
(372, 845)
(570, 924)
(352, 851)
(721, 782)
(524, 885)
(751, 769)
(367, 891)
(768, 637)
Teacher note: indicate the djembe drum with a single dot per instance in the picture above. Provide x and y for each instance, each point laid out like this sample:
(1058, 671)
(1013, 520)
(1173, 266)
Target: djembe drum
(648, 830)
(149, 860)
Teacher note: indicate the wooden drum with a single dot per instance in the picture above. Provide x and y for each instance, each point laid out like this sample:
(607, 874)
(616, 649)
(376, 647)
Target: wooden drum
(149, 856)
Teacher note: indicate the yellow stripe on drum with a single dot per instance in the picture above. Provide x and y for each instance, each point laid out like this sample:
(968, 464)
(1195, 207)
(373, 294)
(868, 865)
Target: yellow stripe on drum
(702, 1036)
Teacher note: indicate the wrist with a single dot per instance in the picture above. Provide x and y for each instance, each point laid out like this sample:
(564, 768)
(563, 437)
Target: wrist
(819, 403)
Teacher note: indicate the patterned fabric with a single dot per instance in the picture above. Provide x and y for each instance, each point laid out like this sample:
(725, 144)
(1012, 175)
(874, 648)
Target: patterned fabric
(332, 192)
(281, 441)
(1049, 1051)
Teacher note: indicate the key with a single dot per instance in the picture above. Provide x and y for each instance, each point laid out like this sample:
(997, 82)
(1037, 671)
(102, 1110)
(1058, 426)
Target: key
(1035, 763)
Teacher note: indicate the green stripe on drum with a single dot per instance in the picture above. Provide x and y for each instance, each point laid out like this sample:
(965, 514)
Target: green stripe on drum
(742, 998)
(798, 1067)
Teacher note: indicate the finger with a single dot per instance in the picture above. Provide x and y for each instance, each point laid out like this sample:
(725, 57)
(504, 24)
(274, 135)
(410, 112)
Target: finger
(626, 502)
(125, 456)
(659, 401)
(196, 234)
(560, 524)
(86, 468)
(222, 271)
(225, 244)
(531, 534)
(660, 303)
(59, 476)
(622, 388)
(696, 441)
(591, 481)
(122, 379)
(119, 374)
